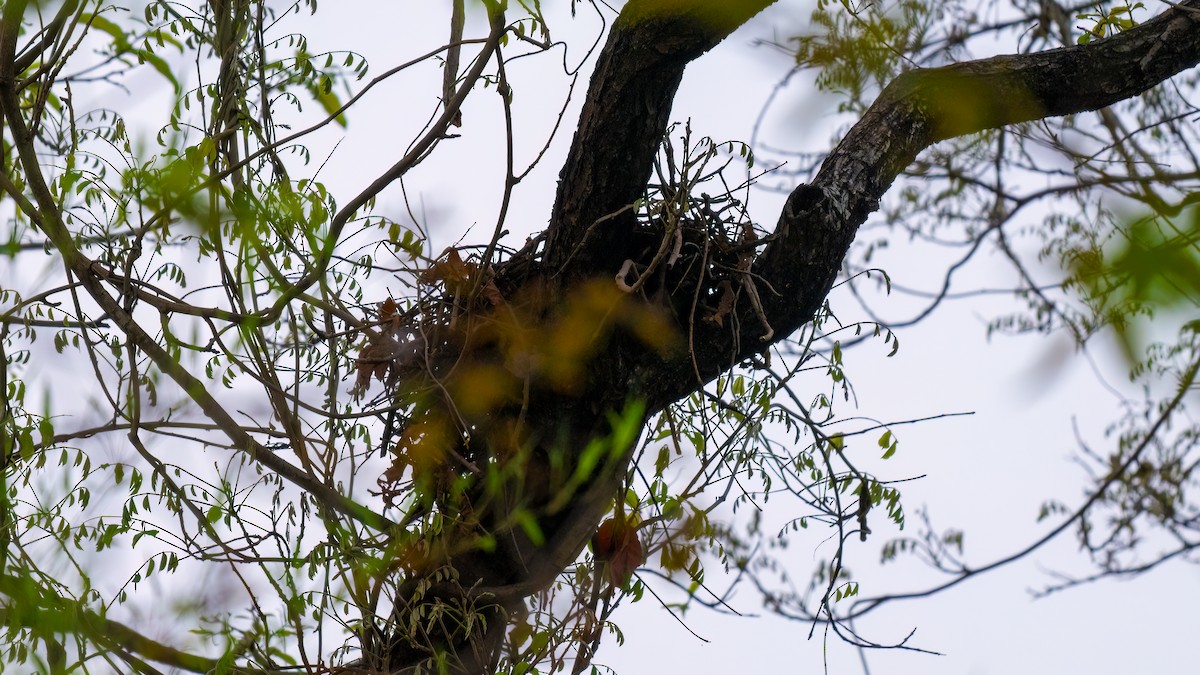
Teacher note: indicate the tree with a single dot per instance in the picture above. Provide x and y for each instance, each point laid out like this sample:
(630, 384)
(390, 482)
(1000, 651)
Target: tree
(486, 510)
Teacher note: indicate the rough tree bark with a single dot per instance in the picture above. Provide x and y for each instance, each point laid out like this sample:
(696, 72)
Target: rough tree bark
(593, 230)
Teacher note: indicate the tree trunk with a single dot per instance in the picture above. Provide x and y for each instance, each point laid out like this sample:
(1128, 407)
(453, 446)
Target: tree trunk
(593, 230)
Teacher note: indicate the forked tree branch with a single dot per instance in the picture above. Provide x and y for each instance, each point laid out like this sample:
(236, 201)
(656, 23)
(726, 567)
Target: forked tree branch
(623, 121)
(919, 108)
(819, 221)
(624, 118)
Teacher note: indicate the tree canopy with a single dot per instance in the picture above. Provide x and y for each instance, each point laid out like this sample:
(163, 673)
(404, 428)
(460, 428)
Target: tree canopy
(381, 456)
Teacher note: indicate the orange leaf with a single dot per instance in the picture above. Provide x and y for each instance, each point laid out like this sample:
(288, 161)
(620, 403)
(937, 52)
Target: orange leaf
(372, 360)
(387, 310)
(616, 543)
(724, 306)
(450, 269)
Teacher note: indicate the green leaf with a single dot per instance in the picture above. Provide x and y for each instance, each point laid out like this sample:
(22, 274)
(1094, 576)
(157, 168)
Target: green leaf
(160, 65)
(46, 429)
(121, 45)
(888, 443)
(627, 425)
(329, 102)
(25, 440)
(530, 526)
(1153, 267)
(662, 461)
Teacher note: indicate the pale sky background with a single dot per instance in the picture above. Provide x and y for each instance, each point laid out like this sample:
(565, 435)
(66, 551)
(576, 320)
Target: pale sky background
(986, 474)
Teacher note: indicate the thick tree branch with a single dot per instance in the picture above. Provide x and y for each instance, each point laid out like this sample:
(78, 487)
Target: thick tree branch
(626, 112)
(622, 124)
(922, 107)
(820, 221)
(917, 109)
